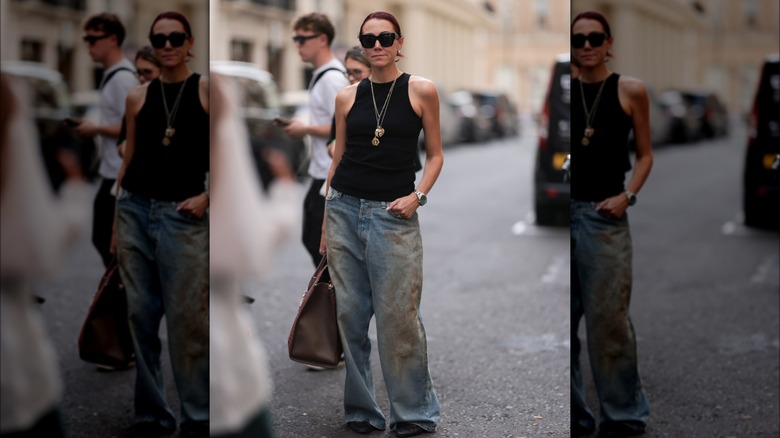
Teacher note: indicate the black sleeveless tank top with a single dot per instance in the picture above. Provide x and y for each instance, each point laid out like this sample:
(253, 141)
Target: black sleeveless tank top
(384, 172)
(598, 170)
(177, 171)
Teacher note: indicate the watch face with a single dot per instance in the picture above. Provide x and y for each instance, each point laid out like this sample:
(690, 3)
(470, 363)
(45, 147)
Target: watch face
(423, 199)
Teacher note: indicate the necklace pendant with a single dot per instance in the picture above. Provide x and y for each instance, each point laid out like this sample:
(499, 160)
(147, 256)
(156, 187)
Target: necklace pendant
(169, 132)
(585, 141)
(589, 132)
(166, 141)
(375, 141)
(379, 132)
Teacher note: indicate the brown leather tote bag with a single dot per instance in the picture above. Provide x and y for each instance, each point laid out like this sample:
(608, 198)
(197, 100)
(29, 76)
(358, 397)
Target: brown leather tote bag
(314, 338)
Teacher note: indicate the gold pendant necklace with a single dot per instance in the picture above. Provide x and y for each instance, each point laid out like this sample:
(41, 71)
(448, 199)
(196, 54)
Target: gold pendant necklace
(380, 115)
(589, 114)
(169, 115)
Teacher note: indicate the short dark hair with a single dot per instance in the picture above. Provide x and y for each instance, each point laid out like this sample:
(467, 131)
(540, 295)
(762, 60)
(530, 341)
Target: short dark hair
(592, 15)
(147, 53)
(108, 23)
(317, 23)
(172, 15)
(356, 53)
(381, 15)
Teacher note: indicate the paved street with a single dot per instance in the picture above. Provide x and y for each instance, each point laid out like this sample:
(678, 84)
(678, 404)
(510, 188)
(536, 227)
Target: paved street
(705, 304)
(495, 308)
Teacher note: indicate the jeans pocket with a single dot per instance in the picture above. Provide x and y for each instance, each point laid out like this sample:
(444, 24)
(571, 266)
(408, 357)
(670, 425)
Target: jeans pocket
(332, 194)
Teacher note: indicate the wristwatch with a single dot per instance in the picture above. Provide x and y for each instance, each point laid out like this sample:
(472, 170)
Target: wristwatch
(631, 197)
(421, 197)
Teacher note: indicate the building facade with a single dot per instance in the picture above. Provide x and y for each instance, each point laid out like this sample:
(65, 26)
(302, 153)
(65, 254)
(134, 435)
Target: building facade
(50, 32)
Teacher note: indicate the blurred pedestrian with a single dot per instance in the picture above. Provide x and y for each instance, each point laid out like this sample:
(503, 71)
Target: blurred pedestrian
(606, 108)
(36, 228)
(372, 234)
(358, 68)
(104, 35)
(162, 232)
(314, 35)
(241, 250)
(148, 68)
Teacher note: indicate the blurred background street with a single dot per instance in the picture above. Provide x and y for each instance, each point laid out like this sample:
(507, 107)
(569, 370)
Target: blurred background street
(706, 302)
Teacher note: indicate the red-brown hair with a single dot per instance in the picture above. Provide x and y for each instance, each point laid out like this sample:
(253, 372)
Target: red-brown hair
(381, 15)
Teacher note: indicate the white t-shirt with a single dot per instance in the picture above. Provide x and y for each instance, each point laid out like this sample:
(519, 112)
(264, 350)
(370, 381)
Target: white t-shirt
(112, 110)
(322, 105)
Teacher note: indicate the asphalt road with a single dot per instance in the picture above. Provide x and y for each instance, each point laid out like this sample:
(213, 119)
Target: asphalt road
(494, 304)
(705, 304)
(495, 307)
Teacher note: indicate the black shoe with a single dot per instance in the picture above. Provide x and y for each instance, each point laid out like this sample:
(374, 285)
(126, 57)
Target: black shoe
(195, 429)
(621, 430)
(408, 429)
(578, 429)
(362, 427)
(150, 429)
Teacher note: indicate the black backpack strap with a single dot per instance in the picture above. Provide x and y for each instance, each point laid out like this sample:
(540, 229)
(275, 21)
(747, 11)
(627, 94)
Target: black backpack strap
(111, 75)
(322, 73)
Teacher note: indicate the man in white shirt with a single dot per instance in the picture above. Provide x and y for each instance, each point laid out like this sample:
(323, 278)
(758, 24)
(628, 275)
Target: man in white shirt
(104, 34)
(314, 35)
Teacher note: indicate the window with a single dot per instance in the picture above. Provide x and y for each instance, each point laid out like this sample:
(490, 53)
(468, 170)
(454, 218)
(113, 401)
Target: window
(241, 50)
(32, 50)
(750, 9)
(542, 10)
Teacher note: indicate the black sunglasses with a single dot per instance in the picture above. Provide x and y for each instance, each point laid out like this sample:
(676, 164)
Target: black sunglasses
(177, 39)
(301, 39)
(386, 39)
(92, 39)
(596, 39)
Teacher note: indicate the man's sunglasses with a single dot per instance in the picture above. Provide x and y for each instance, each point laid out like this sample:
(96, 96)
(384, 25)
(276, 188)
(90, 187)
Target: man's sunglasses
(301, 39)
(92, 39)
(177, 39)
(386, 39)
(596, 39)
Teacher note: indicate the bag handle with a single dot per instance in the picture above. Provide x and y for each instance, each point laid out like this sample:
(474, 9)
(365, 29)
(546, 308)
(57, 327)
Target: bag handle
(319, 271)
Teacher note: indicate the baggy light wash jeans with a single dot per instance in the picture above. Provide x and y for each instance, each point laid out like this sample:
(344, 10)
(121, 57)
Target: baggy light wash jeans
(164, 262)
(375, 264)
(601, 290)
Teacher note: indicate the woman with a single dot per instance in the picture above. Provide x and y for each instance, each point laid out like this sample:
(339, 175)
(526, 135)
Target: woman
(148, 68)
(372, 233)
(605, 107)
(358, 68)
(162, 232)
(37, 227)
(146, 65)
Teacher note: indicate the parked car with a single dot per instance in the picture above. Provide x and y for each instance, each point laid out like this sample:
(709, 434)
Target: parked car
(449, 122)
(50, 105)
(502, 114)
(260, 104)
(660, 123)
(475, 125)
(761, 180)
(685, 119)
(714, 119)
(551, 187)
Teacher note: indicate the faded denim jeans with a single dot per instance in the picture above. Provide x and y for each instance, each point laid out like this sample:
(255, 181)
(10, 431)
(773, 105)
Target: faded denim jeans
(375, 264)
(164, 262)
(601, 290)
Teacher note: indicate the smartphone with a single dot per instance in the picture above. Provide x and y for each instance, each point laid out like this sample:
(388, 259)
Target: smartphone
(71, 123)
(281, 121)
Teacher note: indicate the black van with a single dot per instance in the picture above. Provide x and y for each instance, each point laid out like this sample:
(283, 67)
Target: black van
(761, 195)
(551, 188)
